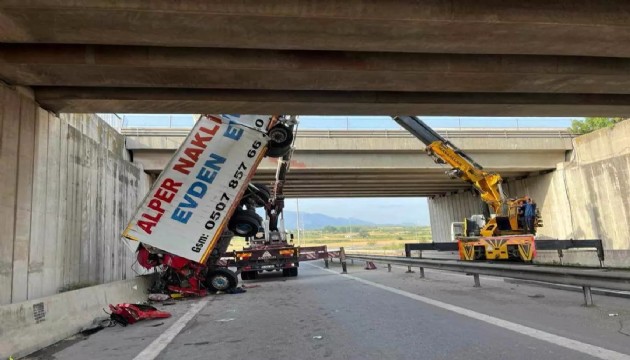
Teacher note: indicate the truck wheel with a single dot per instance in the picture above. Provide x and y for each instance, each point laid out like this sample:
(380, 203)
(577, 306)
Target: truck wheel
(263, 193)
(280, 139)
(221, 280)
(249, 275)
(286, 272)
(245, 275)
(294, 271)
(245, 223)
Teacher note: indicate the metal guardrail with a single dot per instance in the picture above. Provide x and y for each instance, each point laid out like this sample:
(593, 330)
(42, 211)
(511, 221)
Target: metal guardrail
(558, 245)
(584, 277)
(447, 133)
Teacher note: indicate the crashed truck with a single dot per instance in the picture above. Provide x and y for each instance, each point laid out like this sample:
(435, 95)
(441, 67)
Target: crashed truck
(203, 198)
(271, 248)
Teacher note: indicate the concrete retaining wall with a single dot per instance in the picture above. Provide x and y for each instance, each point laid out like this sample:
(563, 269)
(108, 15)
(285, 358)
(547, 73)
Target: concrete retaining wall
(31, 325)
(444, 210)
(67, 191)
(587, 197)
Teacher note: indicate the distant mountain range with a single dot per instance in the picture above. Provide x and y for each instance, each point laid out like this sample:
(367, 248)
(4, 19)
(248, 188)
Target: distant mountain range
(310, 221)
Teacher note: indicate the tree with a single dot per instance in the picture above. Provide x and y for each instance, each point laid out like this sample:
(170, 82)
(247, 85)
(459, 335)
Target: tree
(364, 233)
(590, 124)
(329, 229)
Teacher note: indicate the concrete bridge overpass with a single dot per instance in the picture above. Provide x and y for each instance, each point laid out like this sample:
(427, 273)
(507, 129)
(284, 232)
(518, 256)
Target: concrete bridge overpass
(432, 57)
(378, 163)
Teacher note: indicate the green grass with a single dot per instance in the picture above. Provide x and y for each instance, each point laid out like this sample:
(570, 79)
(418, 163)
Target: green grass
(362, 238)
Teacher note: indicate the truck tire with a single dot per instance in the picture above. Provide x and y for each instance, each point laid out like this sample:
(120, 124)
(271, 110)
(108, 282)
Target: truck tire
(249, 275)
(244, 275)
(221, 280)
(290, 272)
(280, 139)
(263, 193)
(245, 223)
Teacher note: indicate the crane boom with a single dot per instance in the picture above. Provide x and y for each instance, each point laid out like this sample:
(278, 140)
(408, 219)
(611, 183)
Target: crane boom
(463, 166)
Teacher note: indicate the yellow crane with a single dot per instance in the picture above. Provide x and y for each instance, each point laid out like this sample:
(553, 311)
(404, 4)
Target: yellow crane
(502, 236)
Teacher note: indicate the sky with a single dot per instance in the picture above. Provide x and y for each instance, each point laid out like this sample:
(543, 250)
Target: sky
(407, 210)
(364, 122)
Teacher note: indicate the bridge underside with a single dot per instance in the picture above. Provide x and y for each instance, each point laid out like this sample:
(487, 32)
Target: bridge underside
(377, 163)
(514, 57)
(368, 182)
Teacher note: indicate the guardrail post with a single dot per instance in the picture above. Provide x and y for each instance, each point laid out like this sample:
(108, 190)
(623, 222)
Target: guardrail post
(408, 254)
(476, 278)
(342, 259)
(588, 297)
(389, 267)
(421, 268)
(560, 255)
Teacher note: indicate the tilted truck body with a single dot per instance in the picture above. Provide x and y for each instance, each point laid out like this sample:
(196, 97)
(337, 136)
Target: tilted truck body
(186, 221)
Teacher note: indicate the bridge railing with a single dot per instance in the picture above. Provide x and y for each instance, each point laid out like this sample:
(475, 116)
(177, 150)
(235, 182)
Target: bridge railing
(447, 133)
(354, 123)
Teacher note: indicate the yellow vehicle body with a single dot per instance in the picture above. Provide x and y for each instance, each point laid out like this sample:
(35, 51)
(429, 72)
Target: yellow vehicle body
(502, 237)
(510, 247)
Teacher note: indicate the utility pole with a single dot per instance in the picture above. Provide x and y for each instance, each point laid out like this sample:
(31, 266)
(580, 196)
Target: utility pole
(297, 206)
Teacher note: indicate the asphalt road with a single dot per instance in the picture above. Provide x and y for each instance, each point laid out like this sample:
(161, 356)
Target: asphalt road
(371, 315)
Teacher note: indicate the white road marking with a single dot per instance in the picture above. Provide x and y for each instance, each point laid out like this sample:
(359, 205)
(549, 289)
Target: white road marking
(571, 344)
(155, 348)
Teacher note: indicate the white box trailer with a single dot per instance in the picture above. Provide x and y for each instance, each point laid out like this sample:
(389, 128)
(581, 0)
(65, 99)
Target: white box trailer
(189, 205)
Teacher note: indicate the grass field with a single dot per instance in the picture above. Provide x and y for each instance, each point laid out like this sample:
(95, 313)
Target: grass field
(372, 239)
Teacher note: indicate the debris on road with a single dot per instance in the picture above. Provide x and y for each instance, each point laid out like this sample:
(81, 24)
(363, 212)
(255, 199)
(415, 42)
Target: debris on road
(159, 297)
(225, 320)
(125, 314)
(238, 290)
(318, 337)
(245, 286)
(613, 314)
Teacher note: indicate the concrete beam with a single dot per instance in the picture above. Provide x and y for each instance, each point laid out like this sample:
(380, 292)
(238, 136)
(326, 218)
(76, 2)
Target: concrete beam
(191, 101)
(525, 161)
(391, 141)
(560, 27)
(125, 66)
(369, 193)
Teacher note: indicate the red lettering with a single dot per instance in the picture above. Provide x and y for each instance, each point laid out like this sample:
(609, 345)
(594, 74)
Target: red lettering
(215, 119)
(146, 226)
(156, 205)
(155, 218)
(183, 166)
(171, 185)
(200, 141)
(208, 131)
(193, 153)
(164, 195)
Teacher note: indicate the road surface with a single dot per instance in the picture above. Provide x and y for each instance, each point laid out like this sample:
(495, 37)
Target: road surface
(370, 315)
